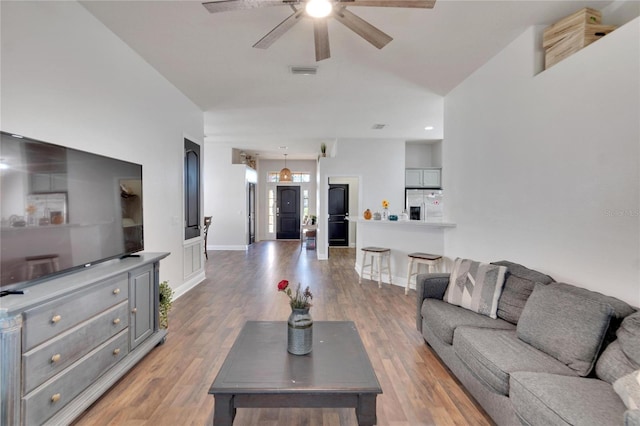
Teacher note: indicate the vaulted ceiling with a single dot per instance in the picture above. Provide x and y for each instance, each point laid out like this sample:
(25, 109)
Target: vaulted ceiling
(252, 101)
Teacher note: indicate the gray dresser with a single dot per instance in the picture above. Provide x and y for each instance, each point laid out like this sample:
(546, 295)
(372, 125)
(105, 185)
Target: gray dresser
(67, 340)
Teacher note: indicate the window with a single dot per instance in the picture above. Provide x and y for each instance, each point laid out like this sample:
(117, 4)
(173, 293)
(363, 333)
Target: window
(299, 177)
(271, 207)
(305, 203)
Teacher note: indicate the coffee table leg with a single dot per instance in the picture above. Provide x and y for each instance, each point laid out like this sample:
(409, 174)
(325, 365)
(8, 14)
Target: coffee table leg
(366, 410)
(224, 412)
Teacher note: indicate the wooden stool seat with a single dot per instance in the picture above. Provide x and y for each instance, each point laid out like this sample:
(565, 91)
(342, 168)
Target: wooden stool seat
(376, 253)
(431, 260)
(44, 264)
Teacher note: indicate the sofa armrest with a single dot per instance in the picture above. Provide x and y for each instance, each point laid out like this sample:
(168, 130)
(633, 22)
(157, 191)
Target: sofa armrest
(430, 286)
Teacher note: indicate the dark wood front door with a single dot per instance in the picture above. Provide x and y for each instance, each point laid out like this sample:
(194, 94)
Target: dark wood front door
(288, 213)
(338, 214)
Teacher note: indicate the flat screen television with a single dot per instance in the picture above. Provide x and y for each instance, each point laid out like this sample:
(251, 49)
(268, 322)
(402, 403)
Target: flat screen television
(63, 209)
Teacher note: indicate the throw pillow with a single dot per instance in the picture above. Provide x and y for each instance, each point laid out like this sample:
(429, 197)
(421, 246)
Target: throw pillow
(518, 285)
(628, 388)
(566, 326)
(475, 286)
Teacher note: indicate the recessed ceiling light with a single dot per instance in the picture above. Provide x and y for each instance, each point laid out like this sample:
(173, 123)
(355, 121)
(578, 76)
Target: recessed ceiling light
(284, 147)
(429, 128)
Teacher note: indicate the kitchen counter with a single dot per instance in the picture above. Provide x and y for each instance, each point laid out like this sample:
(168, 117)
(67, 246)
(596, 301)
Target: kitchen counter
(410, 223)
(402, 237)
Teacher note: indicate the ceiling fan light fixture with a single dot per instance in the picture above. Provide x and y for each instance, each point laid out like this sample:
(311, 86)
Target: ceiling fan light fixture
(318, 8)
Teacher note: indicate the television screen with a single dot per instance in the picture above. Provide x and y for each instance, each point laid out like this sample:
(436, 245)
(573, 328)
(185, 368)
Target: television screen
(62, 208)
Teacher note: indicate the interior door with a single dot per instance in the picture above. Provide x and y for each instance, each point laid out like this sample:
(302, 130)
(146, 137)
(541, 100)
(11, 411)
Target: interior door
(338, 214)
(288, 213)
(252, 213)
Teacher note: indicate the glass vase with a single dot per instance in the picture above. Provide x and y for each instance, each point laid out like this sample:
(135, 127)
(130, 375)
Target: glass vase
(300, 331)
(385, 214)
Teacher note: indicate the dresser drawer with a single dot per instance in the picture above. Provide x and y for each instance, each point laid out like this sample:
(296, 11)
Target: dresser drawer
(50, 319)
(47, 360)
(53, 395)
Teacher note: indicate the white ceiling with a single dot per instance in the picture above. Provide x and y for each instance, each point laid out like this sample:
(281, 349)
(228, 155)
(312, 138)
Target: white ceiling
(252, 102)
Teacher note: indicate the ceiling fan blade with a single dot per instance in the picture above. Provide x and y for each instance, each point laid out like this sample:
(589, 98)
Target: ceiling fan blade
(321, 37)
(229, 5)
(362, 28)
(278, 31)
(424, 4)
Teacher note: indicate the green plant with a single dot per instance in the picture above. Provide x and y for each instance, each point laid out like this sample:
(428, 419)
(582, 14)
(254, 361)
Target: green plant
(166, 300)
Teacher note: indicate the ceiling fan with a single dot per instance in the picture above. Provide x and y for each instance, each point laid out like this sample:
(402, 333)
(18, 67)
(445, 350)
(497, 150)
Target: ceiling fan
(320, 11)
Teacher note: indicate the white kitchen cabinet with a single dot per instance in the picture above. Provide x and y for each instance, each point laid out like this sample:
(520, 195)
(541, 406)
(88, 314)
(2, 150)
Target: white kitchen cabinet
(423, 178)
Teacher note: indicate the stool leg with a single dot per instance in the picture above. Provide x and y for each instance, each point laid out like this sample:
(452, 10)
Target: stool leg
(364, 259)
(389, 266)
(409, 271)
(430, 266)
(371, 266)
(379, 270)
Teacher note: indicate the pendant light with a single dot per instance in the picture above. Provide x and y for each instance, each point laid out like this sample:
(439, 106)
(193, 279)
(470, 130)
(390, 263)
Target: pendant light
(285, 174)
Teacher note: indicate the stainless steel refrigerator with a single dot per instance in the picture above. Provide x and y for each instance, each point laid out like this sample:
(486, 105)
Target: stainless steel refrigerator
(424, 204)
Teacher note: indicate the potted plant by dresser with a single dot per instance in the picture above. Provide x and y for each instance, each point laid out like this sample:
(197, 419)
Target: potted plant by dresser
(165, 302)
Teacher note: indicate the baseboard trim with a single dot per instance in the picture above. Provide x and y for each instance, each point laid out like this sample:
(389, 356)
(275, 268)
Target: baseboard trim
(234, 247)
(189, 284)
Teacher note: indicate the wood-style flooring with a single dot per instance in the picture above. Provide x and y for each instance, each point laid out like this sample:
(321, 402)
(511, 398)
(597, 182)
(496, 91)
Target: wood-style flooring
(169, 386)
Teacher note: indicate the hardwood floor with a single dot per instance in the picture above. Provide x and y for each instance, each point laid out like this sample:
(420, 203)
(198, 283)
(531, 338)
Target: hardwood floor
(169, 386)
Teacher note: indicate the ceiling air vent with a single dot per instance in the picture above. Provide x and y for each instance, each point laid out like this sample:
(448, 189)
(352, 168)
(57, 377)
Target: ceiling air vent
(378, 126)
(304, 70)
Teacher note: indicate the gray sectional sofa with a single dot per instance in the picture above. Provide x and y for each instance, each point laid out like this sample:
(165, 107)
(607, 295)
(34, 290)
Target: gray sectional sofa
(550, 357)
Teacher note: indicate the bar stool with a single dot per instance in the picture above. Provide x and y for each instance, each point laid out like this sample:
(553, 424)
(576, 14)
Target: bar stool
(43, 264)
(376, 253)
(431, 260)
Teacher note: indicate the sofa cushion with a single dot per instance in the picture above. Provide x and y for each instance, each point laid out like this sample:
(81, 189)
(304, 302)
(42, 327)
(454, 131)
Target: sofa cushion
(566, 326)
(629, 337)
(518, 285)
(620, 309)
(628, 388)
(492, 355)
(550, 399)
(613, 363)
(476, 286)
(443, 318)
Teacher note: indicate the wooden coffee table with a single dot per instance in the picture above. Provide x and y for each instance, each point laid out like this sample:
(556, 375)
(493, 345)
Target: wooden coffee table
(259, 372)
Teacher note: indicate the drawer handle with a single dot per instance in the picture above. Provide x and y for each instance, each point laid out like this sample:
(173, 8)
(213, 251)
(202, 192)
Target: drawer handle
(116, 291)
(56, 318)
(116, 351)
(134, 310)
(55, 397)
(55, 358)
(116, 321)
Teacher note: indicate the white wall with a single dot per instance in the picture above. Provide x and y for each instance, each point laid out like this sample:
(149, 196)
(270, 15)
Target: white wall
(225, 199)
(379, 167)
(544, 169)
(67, 79)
